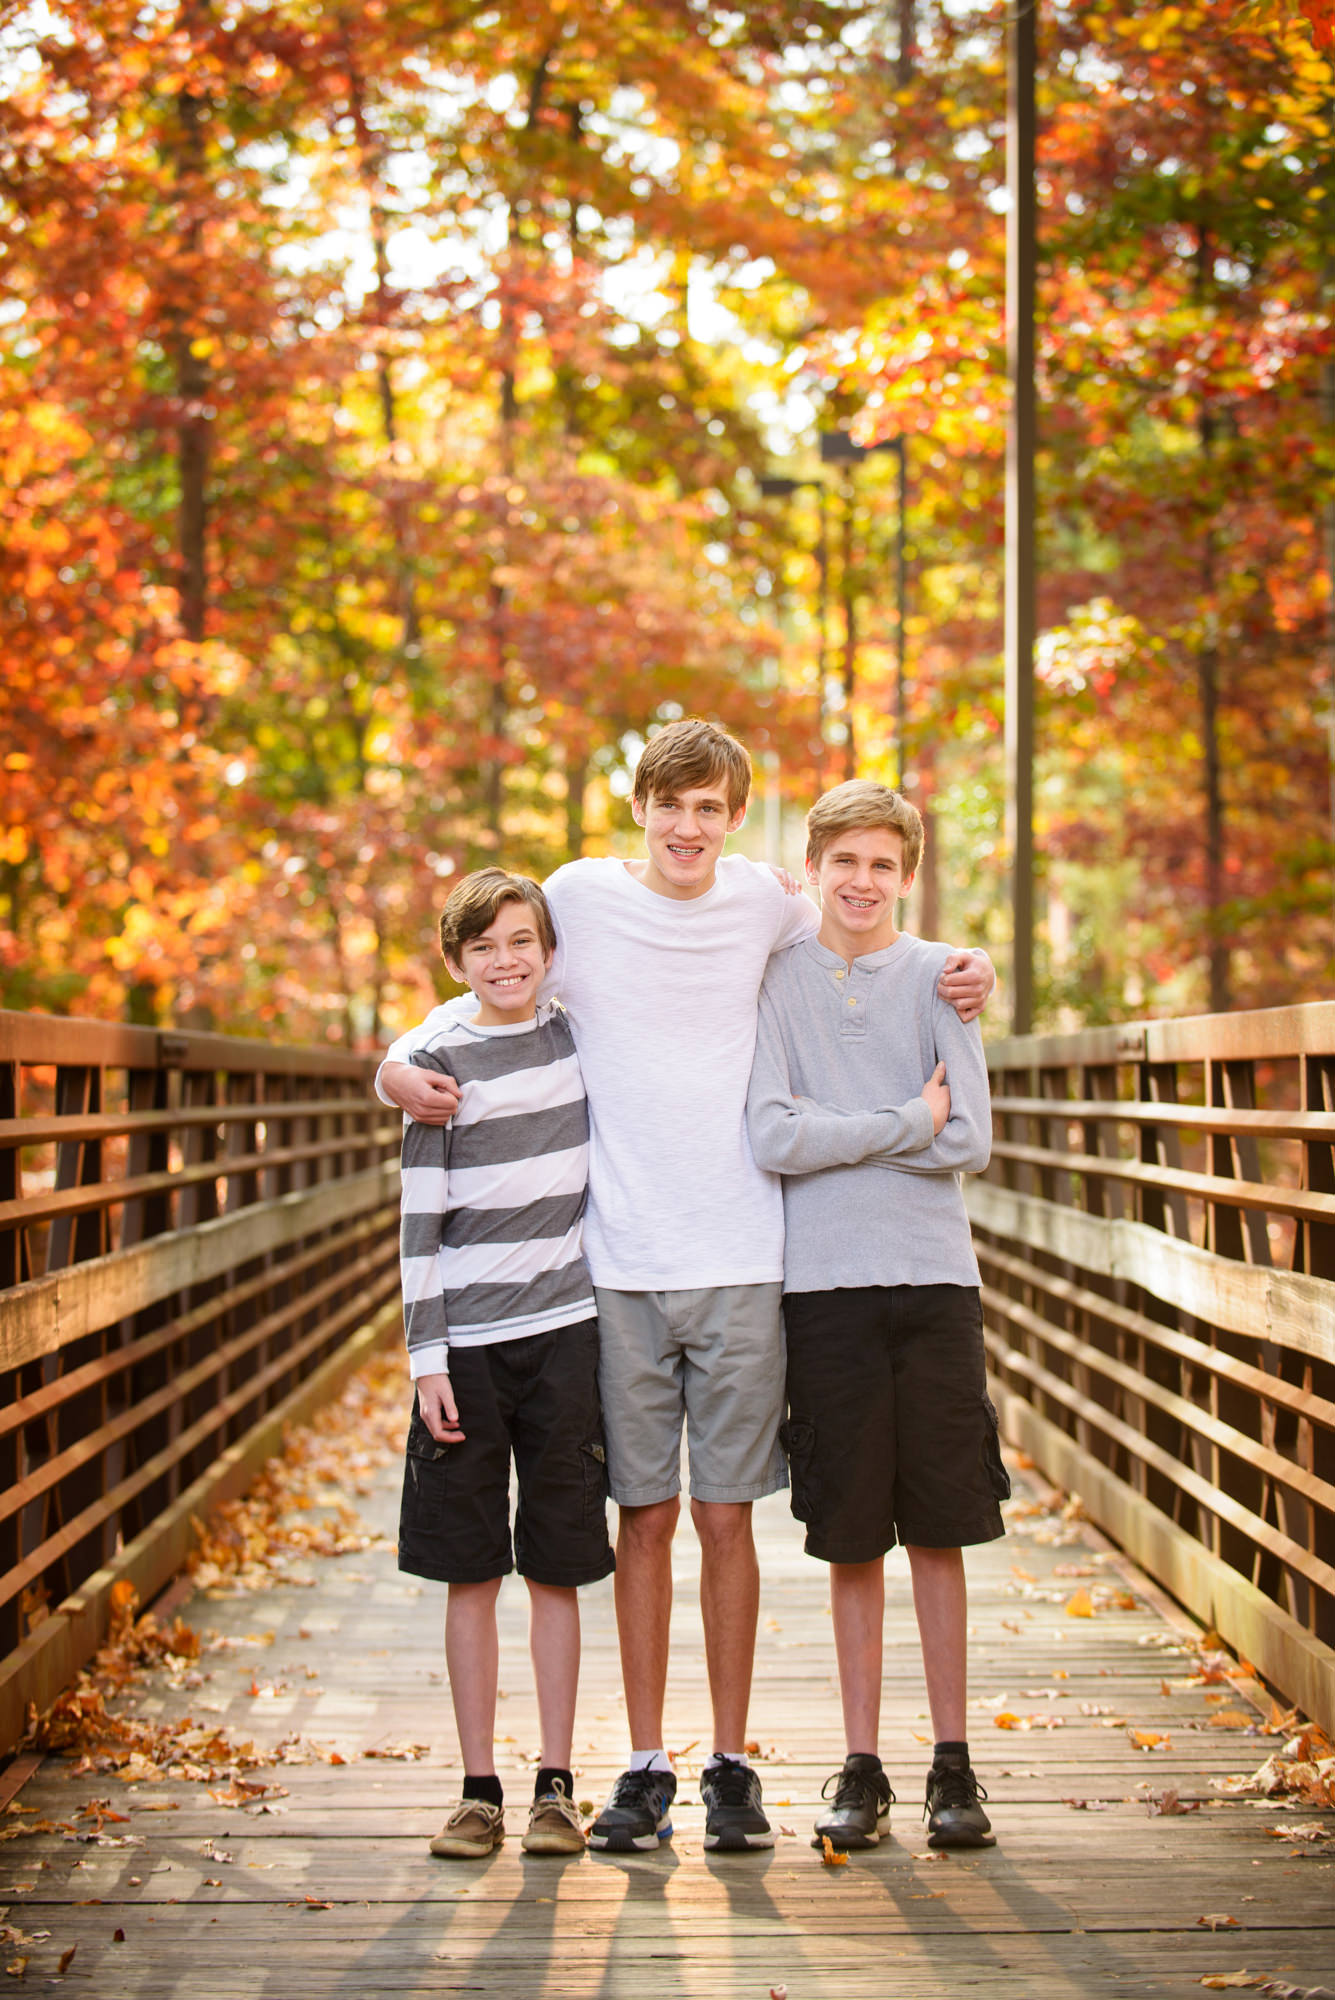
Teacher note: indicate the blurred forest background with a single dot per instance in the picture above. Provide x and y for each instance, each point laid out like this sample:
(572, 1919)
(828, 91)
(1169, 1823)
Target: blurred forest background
(385, 394)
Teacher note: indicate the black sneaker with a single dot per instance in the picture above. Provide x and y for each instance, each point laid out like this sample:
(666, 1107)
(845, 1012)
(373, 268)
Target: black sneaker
(954, 1816)
(636, 1813)
(734, 1820)
(860, 1814)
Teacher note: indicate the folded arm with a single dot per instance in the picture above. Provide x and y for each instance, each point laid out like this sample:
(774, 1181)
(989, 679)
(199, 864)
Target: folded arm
(794, 1135)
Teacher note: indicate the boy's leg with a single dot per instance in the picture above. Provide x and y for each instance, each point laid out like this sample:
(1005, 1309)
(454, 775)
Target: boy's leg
(472, 1661)
(840, 1442)
(940, 1602)
(476, 1826)
(729, 1611)
(553, 1641)
(857, 1612)
(951, 1481)
(643, 1596)
(553, 1634)
(732, 1347)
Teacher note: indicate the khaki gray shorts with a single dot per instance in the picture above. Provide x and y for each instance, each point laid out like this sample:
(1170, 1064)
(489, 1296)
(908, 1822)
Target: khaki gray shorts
(713, 1356)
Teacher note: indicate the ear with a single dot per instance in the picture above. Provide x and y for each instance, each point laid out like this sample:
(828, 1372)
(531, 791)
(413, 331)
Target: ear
(736, 819)
(908, 883)
(637, 811)
(456, 972)
(813, 872)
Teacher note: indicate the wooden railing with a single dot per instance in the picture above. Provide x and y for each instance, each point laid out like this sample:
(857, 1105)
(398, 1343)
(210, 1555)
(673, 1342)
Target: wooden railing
(197, 1234)
(1157, 1239)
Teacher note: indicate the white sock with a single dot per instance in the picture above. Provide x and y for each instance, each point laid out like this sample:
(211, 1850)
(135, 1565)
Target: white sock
(733, 1757)
(649, 1760)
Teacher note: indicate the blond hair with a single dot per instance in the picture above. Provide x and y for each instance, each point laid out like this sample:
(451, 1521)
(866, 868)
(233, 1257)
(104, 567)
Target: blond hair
(858, 805)
(692, 753)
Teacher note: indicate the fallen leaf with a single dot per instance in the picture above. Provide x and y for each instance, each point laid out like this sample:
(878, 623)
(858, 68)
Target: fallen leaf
(1217, 1923)
(1219, 1980)
(66, 1959)
(1148, 1739)
(830, 1855)
(16, 1968)
(1167, 1803)
(1231, 1718)
(1080, 1605)
(118, 1936)
(778, 1993)
(314, 1903)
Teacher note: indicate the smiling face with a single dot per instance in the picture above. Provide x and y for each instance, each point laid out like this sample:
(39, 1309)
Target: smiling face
(860, 876)
(504, 965)
(684, 832)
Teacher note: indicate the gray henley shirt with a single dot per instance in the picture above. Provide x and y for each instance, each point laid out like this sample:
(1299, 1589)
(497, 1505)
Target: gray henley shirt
(870, 1197)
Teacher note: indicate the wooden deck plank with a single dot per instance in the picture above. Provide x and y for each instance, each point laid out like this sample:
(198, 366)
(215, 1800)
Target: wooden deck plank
(1073, 1904)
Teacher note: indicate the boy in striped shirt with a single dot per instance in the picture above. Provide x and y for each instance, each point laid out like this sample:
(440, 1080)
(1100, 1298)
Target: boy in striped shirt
(503, 1349)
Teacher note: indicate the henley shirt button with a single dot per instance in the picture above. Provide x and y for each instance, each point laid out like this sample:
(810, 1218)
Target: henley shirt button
(852, 1003)
(838, 975)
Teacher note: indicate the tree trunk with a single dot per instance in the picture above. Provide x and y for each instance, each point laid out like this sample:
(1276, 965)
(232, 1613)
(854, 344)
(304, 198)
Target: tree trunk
(577, 777)
(192, 382)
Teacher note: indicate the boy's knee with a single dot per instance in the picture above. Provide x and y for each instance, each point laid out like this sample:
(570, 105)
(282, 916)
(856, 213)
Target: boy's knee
(723, 1524)
(648, 1527)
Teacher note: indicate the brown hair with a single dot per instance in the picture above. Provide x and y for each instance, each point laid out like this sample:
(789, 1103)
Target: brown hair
(472, 904)
(860, 804)
(691, 753)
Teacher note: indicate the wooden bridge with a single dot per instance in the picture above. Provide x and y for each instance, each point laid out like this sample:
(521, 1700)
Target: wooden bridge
(197, 1238)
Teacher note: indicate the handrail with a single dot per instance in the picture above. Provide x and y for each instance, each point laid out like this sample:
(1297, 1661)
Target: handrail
(194, 1230)
(1156, 1232)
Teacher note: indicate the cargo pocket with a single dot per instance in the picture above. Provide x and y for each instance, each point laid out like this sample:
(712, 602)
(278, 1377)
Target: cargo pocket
(799, 1448)
(593, 1460)
(424, 1479)
(994, 1471)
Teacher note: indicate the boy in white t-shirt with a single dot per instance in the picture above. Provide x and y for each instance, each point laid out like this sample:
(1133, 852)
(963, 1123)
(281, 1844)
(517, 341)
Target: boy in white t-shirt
(659, 968)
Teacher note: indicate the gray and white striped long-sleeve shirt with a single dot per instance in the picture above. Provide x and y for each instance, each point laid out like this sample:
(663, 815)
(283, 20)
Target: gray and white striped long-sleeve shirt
(493, 1203)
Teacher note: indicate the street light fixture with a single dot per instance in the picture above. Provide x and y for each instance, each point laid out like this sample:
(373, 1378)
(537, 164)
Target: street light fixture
(838, 448)
(779, 487)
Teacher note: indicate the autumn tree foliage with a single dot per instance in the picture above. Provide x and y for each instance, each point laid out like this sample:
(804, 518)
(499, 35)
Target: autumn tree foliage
(375, 470)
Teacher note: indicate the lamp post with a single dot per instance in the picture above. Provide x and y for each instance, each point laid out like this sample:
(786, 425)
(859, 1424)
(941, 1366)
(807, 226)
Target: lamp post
(778, 487)
(838, 448)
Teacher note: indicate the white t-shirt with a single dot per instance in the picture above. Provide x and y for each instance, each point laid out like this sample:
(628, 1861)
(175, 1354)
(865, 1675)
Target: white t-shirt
(661, 996)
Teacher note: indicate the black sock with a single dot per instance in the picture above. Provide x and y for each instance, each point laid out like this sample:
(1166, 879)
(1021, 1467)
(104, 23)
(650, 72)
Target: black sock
(487, 1787)
(547, 1779)
(952, 1753)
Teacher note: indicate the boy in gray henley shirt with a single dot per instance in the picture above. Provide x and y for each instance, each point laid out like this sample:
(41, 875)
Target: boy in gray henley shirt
(890, 1435)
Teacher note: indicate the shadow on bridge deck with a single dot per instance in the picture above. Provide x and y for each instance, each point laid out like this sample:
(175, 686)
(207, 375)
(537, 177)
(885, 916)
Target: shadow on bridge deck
(328, 1889)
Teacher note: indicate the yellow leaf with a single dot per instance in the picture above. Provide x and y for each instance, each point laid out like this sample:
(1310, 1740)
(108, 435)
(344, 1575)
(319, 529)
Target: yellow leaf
(830, 1855)
(1080, 1605)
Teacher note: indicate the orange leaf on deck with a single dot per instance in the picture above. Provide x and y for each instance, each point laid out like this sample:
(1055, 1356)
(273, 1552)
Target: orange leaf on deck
(1080, 1605)
(830, 1855)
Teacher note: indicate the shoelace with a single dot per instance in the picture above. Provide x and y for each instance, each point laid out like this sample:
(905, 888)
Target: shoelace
(634, 1788)
(954, 1787)
(731, 1782)
(855, 1788)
